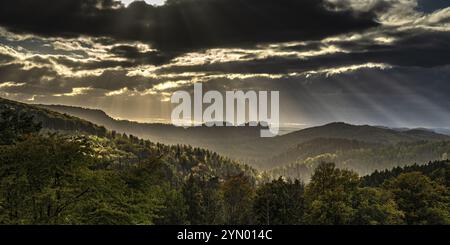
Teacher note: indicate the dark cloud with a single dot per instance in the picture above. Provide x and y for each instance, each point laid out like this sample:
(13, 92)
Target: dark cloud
(78, 65)
(183, 25)
(4, 58)
(45, 81)
(17, 73)
(59, 70)
(33, 78)
(400, 96)
(137, 57)
(39, 46)
(421, 49)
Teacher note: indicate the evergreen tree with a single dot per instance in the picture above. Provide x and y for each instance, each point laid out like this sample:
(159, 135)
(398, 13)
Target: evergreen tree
(238, 193)
(280, 202)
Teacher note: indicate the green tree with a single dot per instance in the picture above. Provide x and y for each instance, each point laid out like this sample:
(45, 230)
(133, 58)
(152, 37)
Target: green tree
(422, 200)
(329, 195)
(174, 209)
(375, 206)
(42, 179)
(108, 203)
(280, 202)
(238, 193)
(204, 200)
(14, 125)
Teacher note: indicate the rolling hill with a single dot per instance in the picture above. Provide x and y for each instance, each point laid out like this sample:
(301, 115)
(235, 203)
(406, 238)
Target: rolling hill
(54, 121)
(361, 157)
(361, 148)
(244, 143)
(125, 149)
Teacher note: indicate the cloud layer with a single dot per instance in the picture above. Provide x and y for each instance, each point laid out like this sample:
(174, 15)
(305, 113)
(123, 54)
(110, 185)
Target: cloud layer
(362, 61)
(182, 25)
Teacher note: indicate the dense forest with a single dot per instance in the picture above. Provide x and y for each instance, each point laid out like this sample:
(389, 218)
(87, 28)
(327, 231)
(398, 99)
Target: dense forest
(244, 143)
(53, 178)
(362, 157)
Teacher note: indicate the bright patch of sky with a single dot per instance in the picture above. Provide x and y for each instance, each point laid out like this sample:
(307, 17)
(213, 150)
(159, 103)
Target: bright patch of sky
(152, 2)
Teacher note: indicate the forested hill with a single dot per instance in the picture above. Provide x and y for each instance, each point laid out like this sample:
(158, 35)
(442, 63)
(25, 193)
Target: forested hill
(124, 148)
(120, 179)
(98, 117)
(437, 170)
(245, 143)
(360, 148)
(300, 162)
(81, 178)
(364, 133)
(54, 121)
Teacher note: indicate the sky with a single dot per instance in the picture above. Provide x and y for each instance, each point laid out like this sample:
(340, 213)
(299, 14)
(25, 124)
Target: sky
(154, 2)
(378, 62)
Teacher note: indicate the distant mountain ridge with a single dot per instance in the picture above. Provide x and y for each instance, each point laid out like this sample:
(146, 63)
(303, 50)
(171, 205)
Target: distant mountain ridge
(363, 148)
(445, 131)
(68, 123)
(367, 133)
(244, 143)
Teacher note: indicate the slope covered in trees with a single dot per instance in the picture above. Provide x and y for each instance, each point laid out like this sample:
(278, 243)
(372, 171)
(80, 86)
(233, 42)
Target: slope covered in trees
(53, 121)
(437, 170)
(116, 179)
(80, 178)
(363, 158)
(245, 143)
